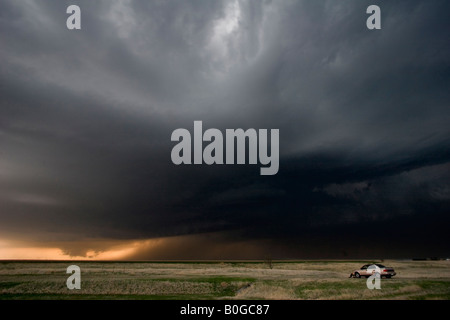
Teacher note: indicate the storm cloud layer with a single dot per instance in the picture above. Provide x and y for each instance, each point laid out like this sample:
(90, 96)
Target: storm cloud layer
(86, 118)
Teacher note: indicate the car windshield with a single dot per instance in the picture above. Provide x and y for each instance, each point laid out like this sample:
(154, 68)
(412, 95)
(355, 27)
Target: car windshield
(380, 266)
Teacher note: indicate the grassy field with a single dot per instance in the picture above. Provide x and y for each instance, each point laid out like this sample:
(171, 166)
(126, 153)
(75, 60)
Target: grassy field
(222, 280)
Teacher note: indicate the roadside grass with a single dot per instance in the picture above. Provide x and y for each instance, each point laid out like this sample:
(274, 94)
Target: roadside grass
(308, 280)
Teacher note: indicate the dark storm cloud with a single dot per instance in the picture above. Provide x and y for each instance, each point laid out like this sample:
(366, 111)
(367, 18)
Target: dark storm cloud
(86, 118)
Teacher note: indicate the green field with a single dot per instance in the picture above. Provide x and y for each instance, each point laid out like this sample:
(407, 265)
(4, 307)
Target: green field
(222, 280)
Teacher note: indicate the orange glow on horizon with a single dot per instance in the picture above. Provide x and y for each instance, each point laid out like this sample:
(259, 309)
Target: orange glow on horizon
(11, 251)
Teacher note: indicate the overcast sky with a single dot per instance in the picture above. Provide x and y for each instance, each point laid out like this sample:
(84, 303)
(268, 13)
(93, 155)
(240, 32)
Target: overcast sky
(86, 118)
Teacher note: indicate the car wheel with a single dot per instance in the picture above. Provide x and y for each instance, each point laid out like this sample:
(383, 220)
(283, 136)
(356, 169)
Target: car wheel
(357, 275)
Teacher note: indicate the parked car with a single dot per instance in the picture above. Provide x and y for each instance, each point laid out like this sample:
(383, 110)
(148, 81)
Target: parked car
(368, 269)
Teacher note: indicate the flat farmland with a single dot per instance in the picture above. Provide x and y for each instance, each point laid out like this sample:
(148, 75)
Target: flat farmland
(286, 280)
